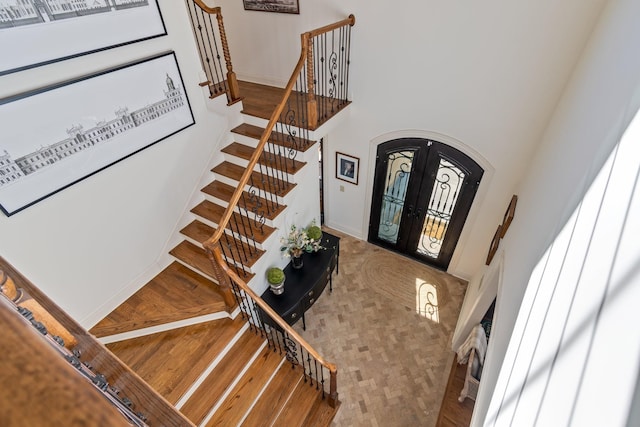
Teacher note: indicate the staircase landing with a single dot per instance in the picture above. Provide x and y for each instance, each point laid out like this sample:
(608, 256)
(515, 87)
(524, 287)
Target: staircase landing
(162, 301)
(261, 100)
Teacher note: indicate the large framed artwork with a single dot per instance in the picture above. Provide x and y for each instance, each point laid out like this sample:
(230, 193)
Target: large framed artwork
(282, 6)
(39, 32)
(59, 135)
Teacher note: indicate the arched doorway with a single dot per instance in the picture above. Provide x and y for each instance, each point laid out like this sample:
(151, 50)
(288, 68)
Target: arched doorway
(422, 193)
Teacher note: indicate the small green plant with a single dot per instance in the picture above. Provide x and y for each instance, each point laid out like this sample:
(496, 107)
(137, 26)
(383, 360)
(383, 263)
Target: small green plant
(275, 275)
(314, 232)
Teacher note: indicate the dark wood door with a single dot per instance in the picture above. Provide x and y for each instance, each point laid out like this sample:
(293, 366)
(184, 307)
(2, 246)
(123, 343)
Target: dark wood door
(422, 194)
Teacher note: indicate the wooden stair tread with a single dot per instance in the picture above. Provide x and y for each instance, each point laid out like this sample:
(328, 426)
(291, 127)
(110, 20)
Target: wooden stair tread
(193, 256)
(214, 212)
(163, 300)
(224, 192)
(274, 397)
(297, 409)
(153, 357)
(260, 100)
(290, 166)
(197, 258)
(273, 185)
(209, 392)
(238, 250)
(321, 414)
(277, 138)
(236, 405)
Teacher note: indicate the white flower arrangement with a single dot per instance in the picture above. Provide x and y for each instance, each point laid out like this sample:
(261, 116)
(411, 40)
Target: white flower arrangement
(297, 242)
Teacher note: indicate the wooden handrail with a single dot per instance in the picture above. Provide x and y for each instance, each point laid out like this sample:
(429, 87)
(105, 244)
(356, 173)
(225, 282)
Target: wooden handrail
(331, 367)
(270, 312)
(244, 179)
(212, 245)
(208, 9)
(232, 80)
(351, 21)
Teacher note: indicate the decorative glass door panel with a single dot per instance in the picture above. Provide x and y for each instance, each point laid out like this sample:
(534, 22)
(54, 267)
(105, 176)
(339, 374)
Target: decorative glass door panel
(444, 195)
(422, 194)
(395, 192)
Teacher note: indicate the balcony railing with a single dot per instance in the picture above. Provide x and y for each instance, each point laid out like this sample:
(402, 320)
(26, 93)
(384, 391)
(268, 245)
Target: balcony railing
(211, 39)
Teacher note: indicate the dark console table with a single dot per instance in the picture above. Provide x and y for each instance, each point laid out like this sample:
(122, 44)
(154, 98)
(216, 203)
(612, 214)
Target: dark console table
(303, 287)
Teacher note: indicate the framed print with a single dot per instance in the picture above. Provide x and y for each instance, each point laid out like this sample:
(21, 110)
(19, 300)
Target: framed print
(509, 214)
(495, 242)
(37, 32)
(347, 168)
(57, 136)
(282, 6)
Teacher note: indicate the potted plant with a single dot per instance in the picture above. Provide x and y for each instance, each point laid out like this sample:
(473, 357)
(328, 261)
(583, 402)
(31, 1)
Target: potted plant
(314, 233)
(275, 277)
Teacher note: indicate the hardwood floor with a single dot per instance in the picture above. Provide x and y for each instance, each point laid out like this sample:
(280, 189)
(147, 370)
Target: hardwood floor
(452, 412)
(260, 101)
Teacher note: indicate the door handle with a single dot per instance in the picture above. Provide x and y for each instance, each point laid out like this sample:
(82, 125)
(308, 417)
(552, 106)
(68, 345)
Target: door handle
(410, 211)
(418, 213)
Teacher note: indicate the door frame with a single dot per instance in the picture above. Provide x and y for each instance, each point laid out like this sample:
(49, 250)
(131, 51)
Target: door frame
(487, 177)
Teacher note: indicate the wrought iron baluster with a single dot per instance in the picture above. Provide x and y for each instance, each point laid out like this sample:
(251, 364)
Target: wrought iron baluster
(322, 380)
(218, 68)
(239, 250)
(309, 367)
(227, 252)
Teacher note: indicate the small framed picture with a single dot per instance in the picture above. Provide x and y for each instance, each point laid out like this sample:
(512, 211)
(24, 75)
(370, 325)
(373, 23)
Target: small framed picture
(347, 168)
(281, 6)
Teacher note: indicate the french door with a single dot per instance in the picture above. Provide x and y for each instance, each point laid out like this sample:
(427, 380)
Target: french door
(422, 194)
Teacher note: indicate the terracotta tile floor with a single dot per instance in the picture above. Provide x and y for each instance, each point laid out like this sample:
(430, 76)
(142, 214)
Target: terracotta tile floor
(393, 363)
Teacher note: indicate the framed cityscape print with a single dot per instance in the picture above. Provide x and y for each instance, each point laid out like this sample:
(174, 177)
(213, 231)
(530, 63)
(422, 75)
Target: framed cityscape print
(347, 168)
(282, 6)
(57, 136)
(37, 32)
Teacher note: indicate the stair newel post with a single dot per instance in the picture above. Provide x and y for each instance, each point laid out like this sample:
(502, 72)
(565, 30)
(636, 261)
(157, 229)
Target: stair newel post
(312, 104)
(333, 386)
(232, 81)
(223, 279)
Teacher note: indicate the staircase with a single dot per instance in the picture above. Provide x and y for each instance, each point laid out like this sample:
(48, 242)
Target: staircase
(179, 336)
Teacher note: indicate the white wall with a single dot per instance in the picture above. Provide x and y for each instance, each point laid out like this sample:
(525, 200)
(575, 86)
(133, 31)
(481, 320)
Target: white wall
(602, 96)
(480, 73)
(96, 241)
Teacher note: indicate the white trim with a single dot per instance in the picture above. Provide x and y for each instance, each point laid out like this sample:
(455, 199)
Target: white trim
(137, 333)
(198, 382)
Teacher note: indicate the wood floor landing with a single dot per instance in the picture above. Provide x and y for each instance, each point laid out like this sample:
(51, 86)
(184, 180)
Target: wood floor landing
(261, 100)
(162, 300)
(454, 413)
